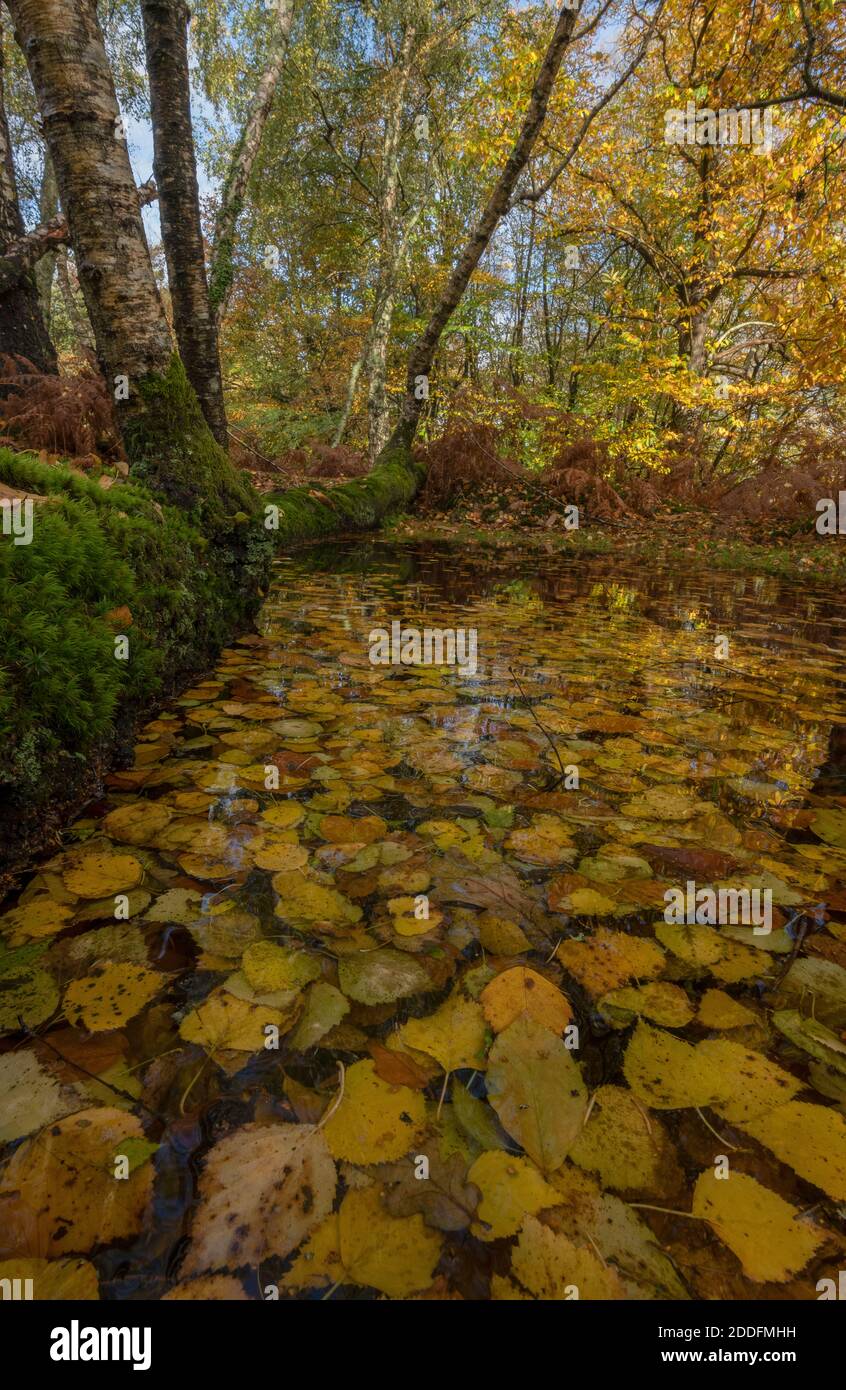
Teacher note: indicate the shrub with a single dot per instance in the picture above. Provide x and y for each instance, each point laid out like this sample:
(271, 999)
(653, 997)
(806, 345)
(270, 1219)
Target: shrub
(68, 415)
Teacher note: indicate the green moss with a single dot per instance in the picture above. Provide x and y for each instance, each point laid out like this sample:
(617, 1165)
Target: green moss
(308, 513)
(64, 697)
(171, 449)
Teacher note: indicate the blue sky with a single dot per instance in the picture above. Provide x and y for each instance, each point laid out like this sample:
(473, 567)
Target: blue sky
(140, 140)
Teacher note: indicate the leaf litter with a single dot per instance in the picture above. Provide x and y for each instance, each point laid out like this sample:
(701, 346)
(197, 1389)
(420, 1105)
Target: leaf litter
(346, 942)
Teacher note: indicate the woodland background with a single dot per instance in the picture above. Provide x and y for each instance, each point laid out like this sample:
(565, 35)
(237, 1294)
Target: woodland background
(649, 322)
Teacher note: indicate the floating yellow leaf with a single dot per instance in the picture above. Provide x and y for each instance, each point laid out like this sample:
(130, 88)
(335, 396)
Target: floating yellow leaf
(608, 959)
(628, 1148)
(405, 920)
(206, 870)
(111, 995)
(284, 815)
(454, 1035)
(661, 803)
(502, 937)
(362, 1244)
(659, 1001)
(269, 967)
(280, 856)
(375, 1122)
(39, 917)
(96, 875)
(31, 1096)
(303, 899)
(694, 944)
(718, 1010)
(522, 992)
(550, 1266)
(325, 1006)
(810, 1138)
(262, 1191)
(587, 902)
(536, 1089)
(511, 1188)
(138, 823)
(754, 1083)
(55, 1281)
(31, 995)
(66, 1178)
(766, 1234)
(224, 1022)
(669, 1074)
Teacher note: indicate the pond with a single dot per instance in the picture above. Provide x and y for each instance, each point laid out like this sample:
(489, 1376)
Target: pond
(372, 979)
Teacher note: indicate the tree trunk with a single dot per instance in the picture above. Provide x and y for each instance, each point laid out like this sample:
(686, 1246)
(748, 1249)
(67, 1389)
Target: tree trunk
(244, 157)
(28, 250)
(174, 163)
(391, 485)
(390, 253)
(77, 316)
(63, 46)
(378, 409)
(45, 270)
(423, 353)
(23, 332)
(167, 440)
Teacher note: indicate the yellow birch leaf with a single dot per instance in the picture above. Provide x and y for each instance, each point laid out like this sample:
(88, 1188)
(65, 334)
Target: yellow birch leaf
(223, 1022)
(669, 1074)
(111, 995)
(764, 1232)
(550, 1266)
(512, 1189)
(375, 1122)
(536, 1088)
(521, 992)
(454, 1034)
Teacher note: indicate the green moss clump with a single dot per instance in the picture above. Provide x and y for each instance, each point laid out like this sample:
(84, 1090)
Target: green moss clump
(171, 449)
(65, 699)
(308, 513)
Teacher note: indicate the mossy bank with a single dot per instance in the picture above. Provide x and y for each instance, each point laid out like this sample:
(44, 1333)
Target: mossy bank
(174, 577)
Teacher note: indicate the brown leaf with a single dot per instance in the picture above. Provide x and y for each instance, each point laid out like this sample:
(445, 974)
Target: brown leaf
(120, 617)
(704, 864)
(443, 1199)
(397, 1067)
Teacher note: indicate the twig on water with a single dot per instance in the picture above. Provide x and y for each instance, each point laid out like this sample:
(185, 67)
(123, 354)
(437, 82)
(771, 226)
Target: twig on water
(544, 731)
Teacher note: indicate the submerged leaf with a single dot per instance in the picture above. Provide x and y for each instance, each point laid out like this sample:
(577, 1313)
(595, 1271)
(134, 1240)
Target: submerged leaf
(536, 1089)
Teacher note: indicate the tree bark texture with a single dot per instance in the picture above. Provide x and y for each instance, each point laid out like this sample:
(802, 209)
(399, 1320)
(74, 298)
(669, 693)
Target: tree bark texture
(23, 332)
(175, 167)
(63, 46)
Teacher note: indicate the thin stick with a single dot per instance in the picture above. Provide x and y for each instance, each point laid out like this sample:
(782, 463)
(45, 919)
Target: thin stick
(134, 1100)
(713, 1131)
(546, 735)
(334, 1106)
(270, 462)
(643, 1115)
(192, 1083)
(443, 1093)
(666, 1211)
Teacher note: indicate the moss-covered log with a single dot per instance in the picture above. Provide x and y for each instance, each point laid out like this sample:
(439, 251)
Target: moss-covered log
(311, 513)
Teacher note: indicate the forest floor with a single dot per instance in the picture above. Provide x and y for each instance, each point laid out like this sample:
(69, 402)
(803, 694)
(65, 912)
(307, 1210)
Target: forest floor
(676, 535)
(498, 514)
